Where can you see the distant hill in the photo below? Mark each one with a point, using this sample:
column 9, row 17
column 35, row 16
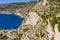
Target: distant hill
column 11, row 7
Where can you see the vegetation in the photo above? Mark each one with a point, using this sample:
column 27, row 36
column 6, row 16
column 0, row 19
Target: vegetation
column 58, row 23
column 53, row 21
column 54, row 0
column 52, row 38
column 58, row 19
column 37, row 35
column 45, row 17
column 25, row 29
column 15, row 39
column 59, row 27
column 4, row 37
column 41, row 33
column 19, row 36
column 1, row 28
column 1, row 35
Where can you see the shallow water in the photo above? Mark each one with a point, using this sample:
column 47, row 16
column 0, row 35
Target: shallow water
column 10, row 21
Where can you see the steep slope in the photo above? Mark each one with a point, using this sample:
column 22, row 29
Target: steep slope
column 39, row 23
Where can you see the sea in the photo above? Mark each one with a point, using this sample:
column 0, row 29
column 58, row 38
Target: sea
column 10, row 21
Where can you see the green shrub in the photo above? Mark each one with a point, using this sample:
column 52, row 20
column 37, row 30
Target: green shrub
column 37, row 35
column 53, row 21
column 52, row 38
column 1, row 28
column 41, row 33
column 59, row 27
column 25, row 29
column 19, row 36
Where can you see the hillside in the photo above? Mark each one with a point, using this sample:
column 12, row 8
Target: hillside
column 41, row 22
column 11, row 7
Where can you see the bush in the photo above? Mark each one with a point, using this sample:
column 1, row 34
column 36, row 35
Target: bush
column 19, row 36
column 53, row 21
column 59, row 27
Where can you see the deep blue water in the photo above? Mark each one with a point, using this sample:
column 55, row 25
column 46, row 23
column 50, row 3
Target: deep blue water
column 10, row 21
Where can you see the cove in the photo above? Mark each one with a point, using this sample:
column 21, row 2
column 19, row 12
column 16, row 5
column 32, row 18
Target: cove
column 10, row 21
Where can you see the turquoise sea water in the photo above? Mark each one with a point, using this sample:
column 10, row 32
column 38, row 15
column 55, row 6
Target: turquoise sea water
column 10, row 21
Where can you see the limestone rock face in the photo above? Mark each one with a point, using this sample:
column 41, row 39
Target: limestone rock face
column 32, row 19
